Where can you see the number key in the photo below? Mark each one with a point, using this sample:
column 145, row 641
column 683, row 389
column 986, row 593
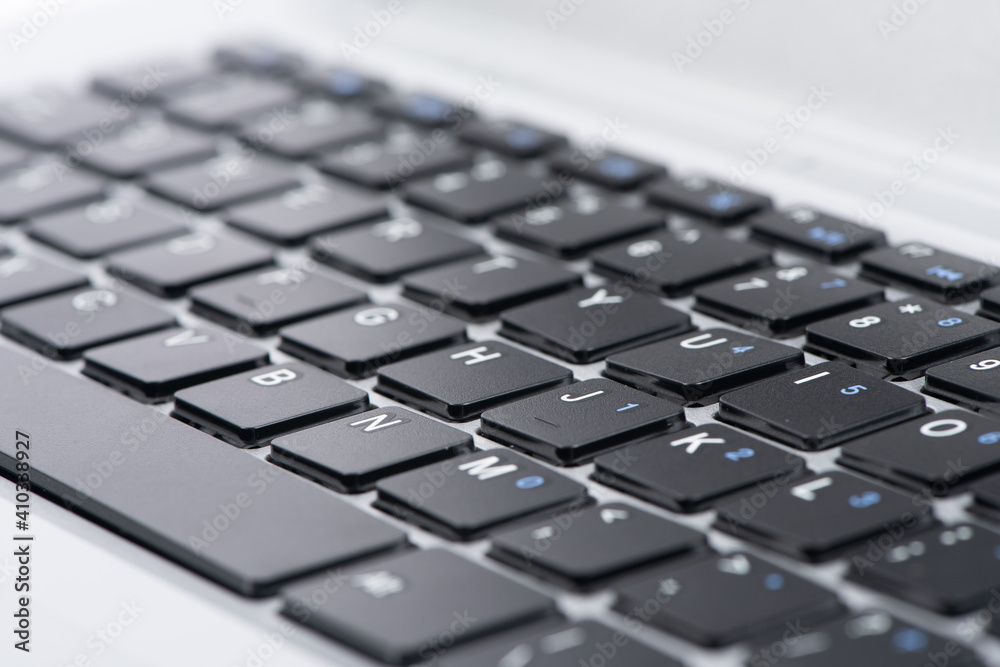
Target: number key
column 971, row 381
column 829, row 239
column 941, row 275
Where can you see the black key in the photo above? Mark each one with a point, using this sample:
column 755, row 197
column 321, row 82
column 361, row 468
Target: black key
column 986, row 496
column 901, row 338
column 573, row 228
column 386, row 251
column 64, row 325
column 350, row 455
column 197, row 501
column 693, row 469
column 941, row 275
column 819, row 406
column 673, row 263
column 612, row 170
column 478, row 289
column 313, row 126
column 990, row 303
column 147, row 145
column 45, row 186
column 594, row 546
column 255, row 406
column 817, row 234
column 939, row 454
column 341, row 83
column 511, row 138
column 569, row 425
column 696, row 368
column 262, row 303
column 156, row 81
column 415, row 606
column 223, row 101
column 11, row 155
column 105, row 226
column 424, row 109
column 151, row 368
column 259, row 58
column 781, row 302
column 822, row 517
column 967, row 381
column 169, row 269
column 466, row 497
column 707, row 198
column 588, row 324
column 23, row 278
column 395, row 160
column 51, row 118
column 223, row 181
column 725, row 599
column 357, row 341
column 461, row 382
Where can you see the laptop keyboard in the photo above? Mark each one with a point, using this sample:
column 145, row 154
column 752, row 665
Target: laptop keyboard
column 534, row 405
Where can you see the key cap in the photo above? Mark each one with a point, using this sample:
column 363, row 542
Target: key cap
column 170, row 487
column 45, row 186
column 151, row 368
column 62, row 326
column 106, row 226
column 461, row 382
column 696, row 468
column 261, row 303
column 416, row 605
column 397, row 159
column 223, row 181
column 820, row 235
column 23, row 278
column 511, row 138
column 567, row 426
column 967, row 381
column 341, row 83
column 672, row 263
column 221, row 102
column 487, row 189
column 156, row 81
column 986, row 498
column 464, row 498
column 255, row 406
column 11, row 155
column 477, row 289
column 594, row 546
column 169, row 269
column 696, row 368
column 49, row 118
column 989, row 305
column 358, row 341
column 588, row 324
column 725, row 599
column 819, row 406
column 386, row 251
column 901, row 338
column 707, row 198
column 822, row 517
column 572, row 229
column 147, row 145
column 424, row 109
column 314, row 126
column 943, row 276
column 938, row 454
column 781, row 302
column 349, row 455
column 610, row 169
column 259, row 58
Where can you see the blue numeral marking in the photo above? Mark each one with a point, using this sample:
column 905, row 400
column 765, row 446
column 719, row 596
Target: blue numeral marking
column 741, row 350
column 950, row 322
column 991, row 438
column 741, row 453
column 941, row 272
column 866, row 499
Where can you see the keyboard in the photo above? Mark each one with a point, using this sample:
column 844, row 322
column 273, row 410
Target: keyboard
column 452, row 389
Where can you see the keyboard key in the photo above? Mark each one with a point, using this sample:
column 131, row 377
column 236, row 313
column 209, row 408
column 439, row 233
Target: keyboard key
column 725, row 599
column 819, row 406
column 341, row 83
column 967, row 381
column 941, row 275
column 822, row 517
column 707, row 198
column 259, row 58
column 349, row 455
column 464, row 498
column 424, row 110
column 147, row 145
column 169, row 269
column 105, row 226
column 461, row 382
column 12, row 155
column 356, row 342
column 672, row 263
column 781, row 302
column 598, row 544
column 151, row 368
column 261, row 303
column 814, row 233
column 694, row 469
column 50, row 118
column 314, row 126
column 222, row 101
column 397, row 159
column 990, row 303
column 612, row 170
column 588, row 324
column 511, row 138
column 43, row 187
column 223, row 181
column 23, row 278
column 386, row 251
column 696, row 368
column 986, row 497
column 902, row 338
column 415, row 606
column 939, row 454
column 156, row 81
column 479, row 289
column 64, row 325
column 567, row 426
column 253, row 407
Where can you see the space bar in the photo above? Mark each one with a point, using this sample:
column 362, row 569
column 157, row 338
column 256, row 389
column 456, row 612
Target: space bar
column 236, row 519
